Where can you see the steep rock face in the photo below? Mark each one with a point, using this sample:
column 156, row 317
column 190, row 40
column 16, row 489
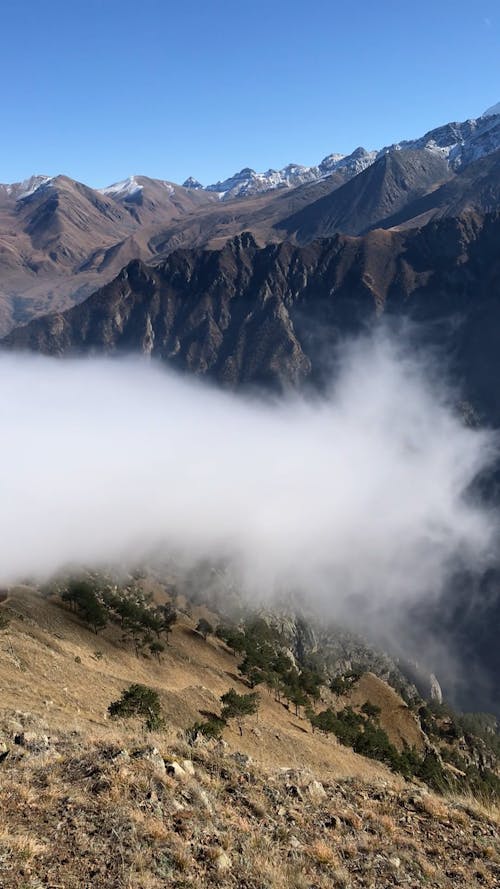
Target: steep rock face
column 247, row 315
column 61, row 240
column 230, row 313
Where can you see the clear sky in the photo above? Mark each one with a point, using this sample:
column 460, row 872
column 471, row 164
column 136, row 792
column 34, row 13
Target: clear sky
column 100, row 89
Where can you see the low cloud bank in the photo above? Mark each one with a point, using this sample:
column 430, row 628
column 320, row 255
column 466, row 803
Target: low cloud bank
column 360, row 494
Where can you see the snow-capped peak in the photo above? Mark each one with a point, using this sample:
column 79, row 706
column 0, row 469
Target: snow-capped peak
column 458, row 143
column 192, row 183
column 21, row 190
column 127, row 188
column 490, row 112
column 248, row 182
column 29, row 186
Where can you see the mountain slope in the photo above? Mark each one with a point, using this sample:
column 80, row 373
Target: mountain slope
column 476, row 187
column 59, row 237
column 60, row 240
column 90, row 801
column 395, row 180
column 245, row 314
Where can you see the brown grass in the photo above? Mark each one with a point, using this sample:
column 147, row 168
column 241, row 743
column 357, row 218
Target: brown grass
column 88, row 813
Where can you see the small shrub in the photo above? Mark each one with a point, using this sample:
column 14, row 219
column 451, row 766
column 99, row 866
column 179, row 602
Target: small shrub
column 211, row 728
column 233, row 638
column 372, row 711
column 238, row 707
column 204, row 628
column 157, row 648
column 138, row 700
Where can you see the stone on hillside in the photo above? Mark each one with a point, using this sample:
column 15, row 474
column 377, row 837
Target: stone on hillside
column 222, row 861
column 32, row 741
column 177, row 806
column 122, row 756
column 241, row 758
column 153, row 755
column 200, row 796
column 176, row 771
column 316, row 791
column 157, row 759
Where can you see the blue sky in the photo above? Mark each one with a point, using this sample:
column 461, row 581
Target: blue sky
column 105, row 88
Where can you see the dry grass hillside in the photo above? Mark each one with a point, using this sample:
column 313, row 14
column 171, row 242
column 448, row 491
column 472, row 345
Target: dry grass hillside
column 396, row 718
column 88, row 801
column 55, row 667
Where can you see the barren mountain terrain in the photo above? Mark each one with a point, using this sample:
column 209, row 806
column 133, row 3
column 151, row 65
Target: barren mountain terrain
column 89, row 801
column 60, row 240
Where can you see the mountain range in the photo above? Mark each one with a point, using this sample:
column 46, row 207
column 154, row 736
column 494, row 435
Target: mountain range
column 251, row 284
column 61, row 240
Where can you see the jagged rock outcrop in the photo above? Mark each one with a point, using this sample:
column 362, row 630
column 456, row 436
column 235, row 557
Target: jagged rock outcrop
column 435, row 689
column 248, row 315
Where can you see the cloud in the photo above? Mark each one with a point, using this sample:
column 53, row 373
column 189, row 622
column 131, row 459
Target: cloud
column 358, row 495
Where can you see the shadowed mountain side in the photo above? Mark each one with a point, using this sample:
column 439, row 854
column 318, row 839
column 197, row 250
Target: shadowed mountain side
column 477, row 188
column 240, row 314
column 61, row 240
column 248, row 315
column 384, row 188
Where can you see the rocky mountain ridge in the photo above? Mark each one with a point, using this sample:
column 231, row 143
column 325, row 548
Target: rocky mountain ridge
column 60, row 240
column 459, row 143
column 246, row 314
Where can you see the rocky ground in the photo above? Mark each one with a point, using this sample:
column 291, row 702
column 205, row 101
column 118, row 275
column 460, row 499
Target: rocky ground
column 146, row 812
column 92, row 803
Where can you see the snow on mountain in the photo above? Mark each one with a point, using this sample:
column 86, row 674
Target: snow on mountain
column 495, row 109
column 460, row 143
column 353, row 163
column 190, row 182
column 136, row 188
column 485, row 140
column 127, row 188
column 21, row 190
column 248, row 182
